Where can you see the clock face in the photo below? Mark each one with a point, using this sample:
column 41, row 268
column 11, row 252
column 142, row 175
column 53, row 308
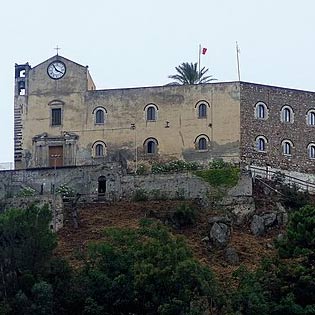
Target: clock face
column 56, row 70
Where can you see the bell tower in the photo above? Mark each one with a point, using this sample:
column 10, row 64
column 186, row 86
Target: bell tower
column 20, row 106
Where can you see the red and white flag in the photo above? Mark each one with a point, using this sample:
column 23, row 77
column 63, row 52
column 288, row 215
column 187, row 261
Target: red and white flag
column 204, row 50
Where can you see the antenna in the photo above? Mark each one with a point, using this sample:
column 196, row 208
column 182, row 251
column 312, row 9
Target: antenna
column 238, row 61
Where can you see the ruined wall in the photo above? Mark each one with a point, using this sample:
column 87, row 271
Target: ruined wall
column 274, row 130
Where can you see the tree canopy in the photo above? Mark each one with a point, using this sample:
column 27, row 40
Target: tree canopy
column 188, row 73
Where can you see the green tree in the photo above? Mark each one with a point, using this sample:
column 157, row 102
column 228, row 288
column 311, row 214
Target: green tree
column 300, row 238
column 26, row 244
column 146, row 271
column 188, row 73
column 286, row 284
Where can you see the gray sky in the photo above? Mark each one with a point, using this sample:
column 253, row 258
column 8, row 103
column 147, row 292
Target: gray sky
column 138, row 43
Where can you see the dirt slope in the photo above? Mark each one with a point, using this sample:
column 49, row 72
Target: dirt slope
column 95, row 217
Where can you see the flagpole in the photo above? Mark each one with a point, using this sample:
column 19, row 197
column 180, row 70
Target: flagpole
column 238, row 62
column 199, row 58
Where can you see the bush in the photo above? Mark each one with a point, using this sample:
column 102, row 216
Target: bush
column 175, row 166
column 219, row 164
column 65, row 191
column 300, row 238
column 294, row 197
column 26, row 192
column 184, row 216
column 143, row 169
column 216, row 177
column 140, row 195
column 145, row 271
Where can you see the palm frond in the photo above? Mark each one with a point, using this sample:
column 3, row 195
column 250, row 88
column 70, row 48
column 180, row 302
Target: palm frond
column 187, row 73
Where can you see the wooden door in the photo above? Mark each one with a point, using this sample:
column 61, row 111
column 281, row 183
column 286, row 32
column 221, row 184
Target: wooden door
column 56, row 156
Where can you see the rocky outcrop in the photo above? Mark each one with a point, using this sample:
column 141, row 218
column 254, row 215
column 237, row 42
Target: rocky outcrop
column 257, row 225
column 261, row 223
column 220, row 234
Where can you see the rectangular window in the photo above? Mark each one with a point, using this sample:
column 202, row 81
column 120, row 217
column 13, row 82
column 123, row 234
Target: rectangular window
column 56, row 117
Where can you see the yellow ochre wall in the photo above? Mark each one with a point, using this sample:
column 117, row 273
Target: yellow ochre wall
column 176, row 128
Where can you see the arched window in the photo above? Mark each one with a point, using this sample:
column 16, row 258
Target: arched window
column 287, row 114
column 202, row 110
column 287, row 147
column 311, row 117
column 99, row 116
column 202, row 144
column 261, row 143
column 261, row 111
column 98, row 149
column 150, row 146
column 151, row 112
column 311, row 151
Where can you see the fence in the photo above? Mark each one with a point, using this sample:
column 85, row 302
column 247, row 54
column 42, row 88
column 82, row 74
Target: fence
column 290, row 180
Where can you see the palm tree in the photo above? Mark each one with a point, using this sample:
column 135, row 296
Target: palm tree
column 189, row 74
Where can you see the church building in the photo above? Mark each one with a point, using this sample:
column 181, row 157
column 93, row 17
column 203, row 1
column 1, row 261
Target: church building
column 61, row 119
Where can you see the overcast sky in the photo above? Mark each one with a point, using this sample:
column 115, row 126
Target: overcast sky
column 138, row 43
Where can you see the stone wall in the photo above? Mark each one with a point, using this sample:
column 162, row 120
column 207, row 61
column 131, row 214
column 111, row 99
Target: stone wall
column 83, row 179
column 119, row 185
column 55, row 204
column 275, row 131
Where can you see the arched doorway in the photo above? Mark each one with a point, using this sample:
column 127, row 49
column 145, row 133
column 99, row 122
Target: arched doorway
column 101, row 186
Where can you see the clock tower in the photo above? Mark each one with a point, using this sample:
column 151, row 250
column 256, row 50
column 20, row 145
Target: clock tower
column 49, row 99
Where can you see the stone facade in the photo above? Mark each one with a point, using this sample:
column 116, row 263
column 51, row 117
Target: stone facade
column 66, row 121
column 297, row 129
column 62, row 120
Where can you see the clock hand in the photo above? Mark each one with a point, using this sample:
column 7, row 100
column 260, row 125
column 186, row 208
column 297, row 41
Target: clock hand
column 57, row 69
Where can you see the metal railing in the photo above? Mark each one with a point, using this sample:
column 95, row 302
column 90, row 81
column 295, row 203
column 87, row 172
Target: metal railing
column 288, row 179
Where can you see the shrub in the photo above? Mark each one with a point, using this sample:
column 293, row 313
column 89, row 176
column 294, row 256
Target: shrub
column 143, row 169
column 220, row 176
column 140, row 195
column 300, row 238
column 219, row 164
column 294, row 197
column 145, row 271
column 65, row 191
column 175, row 166
column 26, row 192
column 158, row 195
column 184, row 216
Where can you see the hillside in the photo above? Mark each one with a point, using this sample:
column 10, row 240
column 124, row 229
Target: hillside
column 94, row 217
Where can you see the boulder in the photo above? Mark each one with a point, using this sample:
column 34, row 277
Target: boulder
column 257, row 225
column 242, row 209
column 220, row 234
column 231, row 256
column 221, row 219
column 270, row 219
